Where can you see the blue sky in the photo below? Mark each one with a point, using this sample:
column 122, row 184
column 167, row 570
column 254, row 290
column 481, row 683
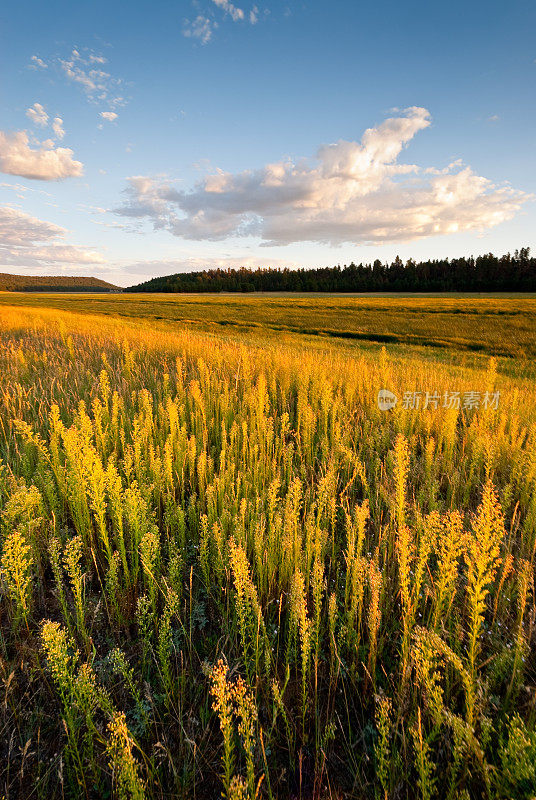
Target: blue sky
column 149, row 138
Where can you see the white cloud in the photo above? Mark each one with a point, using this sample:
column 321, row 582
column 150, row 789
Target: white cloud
column 67, row 254
column 57, row 127
column 84, row 68
column 109, row 116
column 355, row 192
column 19, row 229
column 29, row 242
column 37, row 63
column 98, row 85
column 95, row 59
column 201, row 28
column 235, row 13
column 46, row 163
column 37, row 115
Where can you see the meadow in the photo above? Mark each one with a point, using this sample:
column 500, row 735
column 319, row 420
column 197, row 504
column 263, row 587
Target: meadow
column 225, row 571
column 501, row 325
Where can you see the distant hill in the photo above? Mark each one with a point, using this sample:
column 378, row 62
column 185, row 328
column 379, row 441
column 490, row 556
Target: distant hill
column 485, row 273
column 53, row 283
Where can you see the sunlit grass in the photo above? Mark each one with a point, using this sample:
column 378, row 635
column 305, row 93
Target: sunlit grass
column 501, row 325
column 225, row 569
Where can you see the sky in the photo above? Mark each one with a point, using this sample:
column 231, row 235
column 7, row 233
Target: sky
column 148, row 138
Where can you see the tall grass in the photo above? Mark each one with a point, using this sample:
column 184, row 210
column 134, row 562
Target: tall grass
column 224, row 569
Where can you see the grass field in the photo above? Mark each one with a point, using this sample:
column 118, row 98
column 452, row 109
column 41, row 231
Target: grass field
column 501, row 326
column 225, row 570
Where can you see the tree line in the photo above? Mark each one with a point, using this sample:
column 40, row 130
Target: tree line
column 486, row 273
column 52, row 283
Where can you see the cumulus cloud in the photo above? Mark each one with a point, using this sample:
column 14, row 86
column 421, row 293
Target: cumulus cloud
column 28, row 242
column 37, row 115
column 109, row 116
column 45, row 162
column 355, row 192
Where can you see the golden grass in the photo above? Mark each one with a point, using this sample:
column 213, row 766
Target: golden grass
column 467, row 325
column 225, row 568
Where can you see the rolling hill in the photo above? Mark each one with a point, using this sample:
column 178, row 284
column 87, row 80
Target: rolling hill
column 53, row 283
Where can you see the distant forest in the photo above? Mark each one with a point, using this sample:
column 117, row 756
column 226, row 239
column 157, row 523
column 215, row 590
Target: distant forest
column 487, row 273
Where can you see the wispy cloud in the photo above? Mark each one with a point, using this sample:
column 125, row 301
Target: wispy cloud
column 98, row 84
column 200, row 28
column 203, row 26
column 37, row 115
column 44, row 162
column 57, row 127
column 109, row 116
column 28, row 242
column 21, row 191
column 354, row 192
column 86, row 69
column 235, row 13
column 37, row 63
